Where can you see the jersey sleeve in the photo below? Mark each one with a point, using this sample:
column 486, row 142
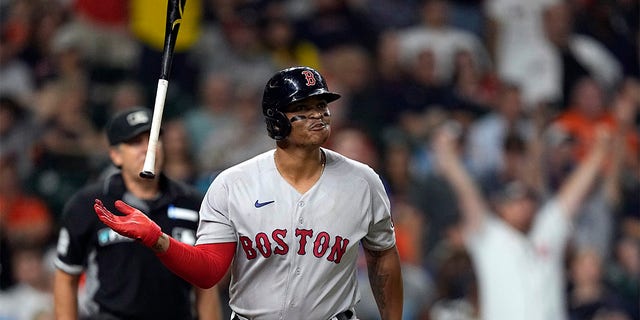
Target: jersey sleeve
column 381, row 234
column 215, row 224
column 74, row 236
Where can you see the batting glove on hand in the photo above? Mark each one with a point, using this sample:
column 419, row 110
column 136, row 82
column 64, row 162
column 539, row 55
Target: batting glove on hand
column 134, row 224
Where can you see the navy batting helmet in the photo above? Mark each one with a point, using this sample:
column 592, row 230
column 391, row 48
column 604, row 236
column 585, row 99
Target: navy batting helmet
column 286, row 87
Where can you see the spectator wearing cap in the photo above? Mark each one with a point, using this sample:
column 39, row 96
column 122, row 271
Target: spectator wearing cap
column 123, row 279
column 518, row 253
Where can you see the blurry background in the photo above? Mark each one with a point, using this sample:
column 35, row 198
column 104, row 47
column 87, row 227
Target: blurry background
column 518, row 78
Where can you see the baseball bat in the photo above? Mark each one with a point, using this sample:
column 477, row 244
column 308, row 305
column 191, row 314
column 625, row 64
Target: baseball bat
column 175, row 8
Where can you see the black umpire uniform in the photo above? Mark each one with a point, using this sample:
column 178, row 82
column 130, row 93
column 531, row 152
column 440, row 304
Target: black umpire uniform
column 122, row 277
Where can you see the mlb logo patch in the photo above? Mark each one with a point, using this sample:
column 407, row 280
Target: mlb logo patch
column 137, row 118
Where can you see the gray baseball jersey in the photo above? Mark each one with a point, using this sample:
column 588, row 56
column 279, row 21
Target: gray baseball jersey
column 296, row 254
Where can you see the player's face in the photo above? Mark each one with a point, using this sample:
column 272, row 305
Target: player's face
column 310, row 121
column 130, row 155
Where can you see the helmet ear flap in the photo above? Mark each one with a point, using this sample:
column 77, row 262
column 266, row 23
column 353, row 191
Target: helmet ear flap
column 278, row 125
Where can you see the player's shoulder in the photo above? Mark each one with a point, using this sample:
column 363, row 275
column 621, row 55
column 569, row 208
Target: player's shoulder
column 338, row 159
column 348, row 167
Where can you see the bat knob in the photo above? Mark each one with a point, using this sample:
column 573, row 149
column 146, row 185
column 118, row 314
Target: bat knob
column 147, row 175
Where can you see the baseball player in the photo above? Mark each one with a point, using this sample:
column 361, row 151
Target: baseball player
column 288, row 222
column 124, row 280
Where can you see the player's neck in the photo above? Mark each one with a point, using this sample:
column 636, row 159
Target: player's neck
column 300, row 168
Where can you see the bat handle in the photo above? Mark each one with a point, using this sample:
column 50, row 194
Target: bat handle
column 148, row 170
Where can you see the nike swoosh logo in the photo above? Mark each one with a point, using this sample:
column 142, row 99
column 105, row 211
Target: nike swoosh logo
column 262, row 204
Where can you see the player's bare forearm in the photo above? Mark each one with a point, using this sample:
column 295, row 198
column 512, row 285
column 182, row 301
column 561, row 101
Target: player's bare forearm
column 385, row 277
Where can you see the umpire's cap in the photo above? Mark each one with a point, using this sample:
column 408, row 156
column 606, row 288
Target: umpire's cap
column 127, row 124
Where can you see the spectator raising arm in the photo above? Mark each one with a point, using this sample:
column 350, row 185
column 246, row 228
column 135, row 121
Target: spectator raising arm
column 472, row 204
column 578, row 184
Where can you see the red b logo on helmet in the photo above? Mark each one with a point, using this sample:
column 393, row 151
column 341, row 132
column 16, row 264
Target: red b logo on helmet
column 311, row 80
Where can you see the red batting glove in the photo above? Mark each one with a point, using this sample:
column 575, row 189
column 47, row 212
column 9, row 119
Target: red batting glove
column 134, row 224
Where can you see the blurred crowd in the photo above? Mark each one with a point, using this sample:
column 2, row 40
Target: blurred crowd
column 524, row 84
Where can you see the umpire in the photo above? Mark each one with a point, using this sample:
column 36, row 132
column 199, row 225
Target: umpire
column 122, row 278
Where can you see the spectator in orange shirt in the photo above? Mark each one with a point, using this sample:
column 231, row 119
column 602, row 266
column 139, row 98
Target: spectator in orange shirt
column 588, row 109
column 24, row 219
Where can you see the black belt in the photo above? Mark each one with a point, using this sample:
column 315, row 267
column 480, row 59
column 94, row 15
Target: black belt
column 102, row 316
column 344, row 315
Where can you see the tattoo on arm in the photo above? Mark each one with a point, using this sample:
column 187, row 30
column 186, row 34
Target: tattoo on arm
column 161, row 245
column 377, row 279
column 156, row 247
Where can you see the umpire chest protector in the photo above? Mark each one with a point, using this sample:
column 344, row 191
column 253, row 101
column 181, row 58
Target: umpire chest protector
column 286, row 87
